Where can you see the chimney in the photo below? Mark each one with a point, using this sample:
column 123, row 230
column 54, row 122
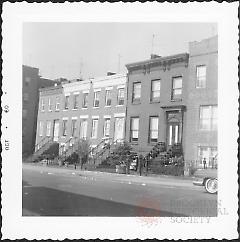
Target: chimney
column 109, row 73
column 154, row 56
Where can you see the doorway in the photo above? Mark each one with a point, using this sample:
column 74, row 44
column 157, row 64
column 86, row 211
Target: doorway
column 56, row 130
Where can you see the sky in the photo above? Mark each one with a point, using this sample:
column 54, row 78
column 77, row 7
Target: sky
column 83, row 50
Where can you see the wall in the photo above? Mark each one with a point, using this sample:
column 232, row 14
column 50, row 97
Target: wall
column 203, row 52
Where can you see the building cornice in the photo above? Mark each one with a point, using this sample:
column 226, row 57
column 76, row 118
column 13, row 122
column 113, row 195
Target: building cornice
column 164, row 62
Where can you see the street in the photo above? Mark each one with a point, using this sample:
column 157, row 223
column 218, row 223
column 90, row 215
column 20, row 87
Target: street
column 51, row 191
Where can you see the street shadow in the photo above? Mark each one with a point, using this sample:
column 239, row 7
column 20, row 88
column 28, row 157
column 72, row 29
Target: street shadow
column 45, row 201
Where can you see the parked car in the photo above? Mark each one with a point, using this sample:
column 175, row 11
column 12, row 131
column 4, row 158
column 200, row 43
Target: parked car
column 208, row 179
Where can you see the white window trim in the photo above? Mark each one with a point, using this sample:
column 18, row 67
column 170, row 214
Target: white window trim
column 76, row 93
column 74, row 117
column 119, row 115
column 83, row 116
column 97, row 90
column 108, row 88
column 107, row 116
column 95, row 117
column 85, row 91
column 65, row 118
column 121, row 86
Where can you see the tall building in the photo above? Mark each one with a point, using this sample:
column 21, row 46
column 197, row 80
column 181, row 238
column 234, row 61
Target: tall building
column 202, row 101
column 92, row 109
column 156, row 103
column 31, row 82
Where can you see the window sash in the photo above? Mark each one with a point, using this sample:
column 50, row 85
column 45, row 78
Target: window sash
column 40, row 128
column 121, row 96
column 94, row 128
column 177, row 87
column 48, row 128
column 201, row 72
column 42, row 105
column 106, row 130
column 83, row 129
column 50, row 104
column 75, row 101
column 134, row 129
column 153, row 129
column 155, row 90
column 74, row 127
column 96, row 99
column 66, row 104
column 57, row 106
column 64, row 128
column 108, row 99
column 85, row 100
column 137, row 91
column 208, row 117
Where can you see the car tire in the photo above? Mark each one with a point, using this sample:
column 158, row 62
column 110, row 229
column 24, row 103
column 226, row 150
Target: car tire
column 211, row 185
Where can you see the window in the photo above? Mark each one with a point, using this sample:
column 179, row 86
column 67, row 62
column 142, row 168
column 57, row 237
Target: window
column 136, row 92
column 49, row 104
column 134, row 129
column 64, row 128
column 106, row 128
column 208, row 117
column 27, row 81
column 94, row 128
column 48, row 133
column 120, row 98
column 24, row 113
column 201, row 76
column 155, row 90
column 208, row 152
column 176, row 88
column 57, row 106
column 74, row 127
column 25, row 97
column 83, row 129
column 66, row 104
column 42, row 105
column 108, row 98
column 153, row 129
column 119, row 129
column 75, row 101
column 40, row 128
column 85, row 100
column 96, row 99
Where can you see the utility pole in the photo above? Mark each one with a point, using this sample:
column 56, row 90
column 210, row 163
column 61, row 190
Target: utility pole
column 119, row 57
column 152, row 43
column 80, row 71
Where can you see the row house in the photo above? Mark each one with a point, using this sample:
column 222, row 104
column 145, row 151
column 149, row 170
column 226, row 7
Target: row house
column 171, row 99
column 157, row 101
column 31, row 82
column 92, row 109
column 202, row 101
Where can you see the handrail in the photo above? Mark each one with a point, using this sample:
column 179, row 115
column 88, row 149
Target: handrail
column 48, row 138
column 68, row 142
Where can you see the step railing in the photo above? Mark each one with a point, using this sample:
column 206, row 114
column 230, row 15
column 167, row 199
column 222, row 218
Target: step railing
column 68, row 148
column 42, row 143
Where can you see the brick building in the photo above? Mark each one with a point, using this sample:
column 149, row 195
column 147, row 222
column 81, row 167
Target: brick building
column 157, row 92
column 170, row 99
column 93, row 109
column 202, row 100
column 31, row 82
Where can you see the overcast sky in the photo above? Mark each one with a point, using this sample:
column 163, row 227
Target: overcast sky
column 91, row 49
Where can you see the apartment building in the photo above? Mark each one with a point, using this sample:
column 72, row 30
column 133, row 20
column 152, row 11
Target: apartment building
column 92, row 109
column 156, row 106
column 31, row 82
column 202, row 101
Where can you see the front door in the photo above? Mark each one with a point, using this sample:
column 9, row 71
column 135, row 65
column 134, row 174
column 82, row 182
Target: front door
column 56, row 130
column 119, row 129
column 173, row 133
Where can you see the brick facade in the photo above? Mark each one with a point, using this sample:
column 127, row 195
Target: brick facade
column 113, row 110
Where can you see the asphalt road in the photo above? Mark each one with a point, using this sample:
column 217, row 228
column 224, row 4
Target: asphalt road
column 60, row 192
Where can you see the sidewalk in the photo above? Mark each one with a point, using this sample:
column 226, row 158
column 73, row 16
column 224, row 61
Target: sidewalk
column 127, row 178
